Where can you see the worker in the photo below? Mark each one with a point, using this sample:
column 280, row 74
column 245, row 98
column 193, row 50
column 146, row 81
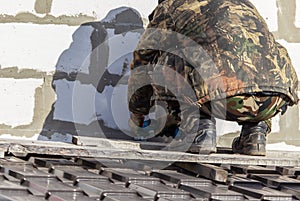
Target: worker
column 210, row 59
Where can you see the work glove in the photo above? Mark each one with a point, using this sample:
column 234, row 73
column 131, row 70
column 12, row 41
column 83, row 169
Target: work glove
column 142, row 127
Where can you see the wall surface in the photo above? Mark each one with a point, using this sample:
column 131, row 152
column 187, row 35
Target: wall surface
column 64, row 66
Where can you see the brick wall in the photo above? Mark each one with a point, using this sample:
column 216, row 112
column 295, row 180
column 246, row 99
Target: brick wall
column 44, row 41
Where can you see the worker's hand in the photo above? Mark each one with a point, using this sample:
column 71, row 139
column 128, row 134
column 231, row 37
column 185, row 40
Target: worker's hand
column 136, row 120
column 141, row 128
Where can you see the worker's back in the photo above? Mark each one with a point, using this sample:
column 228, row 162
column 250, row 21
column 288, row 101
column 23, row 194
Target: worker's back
column 244, row 54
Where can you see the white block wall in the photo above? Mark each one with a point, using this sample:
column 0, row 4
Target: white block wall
column 33, row 44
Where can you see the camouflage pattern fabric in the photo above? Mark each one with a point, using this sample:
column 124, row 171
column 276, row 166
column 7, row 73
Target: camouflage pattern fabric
column 238, row 56
column 240, row 108
column 253, row 108
column 247, row 108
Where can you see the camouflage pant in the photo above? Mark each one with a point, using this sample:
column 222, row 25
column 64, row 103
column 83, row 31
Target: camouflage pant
column 241, row 108
column 247, row 108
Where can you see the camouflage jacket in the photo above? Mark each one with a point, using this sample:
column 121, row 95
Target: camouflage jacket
column 203, row 50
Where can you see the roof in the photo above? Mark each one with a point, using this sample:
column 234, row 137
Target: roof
column 34, row 170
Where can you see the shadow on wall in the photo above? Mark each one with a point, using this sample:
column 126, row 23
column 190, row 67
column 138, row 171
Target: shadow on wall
column 91, row 77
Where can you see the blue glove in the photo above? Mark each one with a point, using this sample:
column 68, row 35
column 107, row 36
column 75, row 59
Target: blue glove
column 142, row 127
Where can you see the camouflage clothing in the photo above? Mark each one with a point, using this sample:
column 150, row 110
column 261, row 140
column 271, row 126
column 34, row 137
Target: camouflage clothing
column 252, row 108
column 218, row 48
column 247, row 108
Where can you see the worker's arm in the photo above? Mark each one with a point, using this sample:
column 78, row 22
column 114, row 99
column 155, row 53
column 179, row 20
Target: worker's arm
column 152, row 43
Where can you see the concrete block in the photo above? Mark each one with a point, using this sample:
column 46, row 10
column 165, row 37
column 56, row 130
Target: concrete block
column 82, row 104
column 74, row 7
column 8, row 7
column 17, row 100
column 33, row 46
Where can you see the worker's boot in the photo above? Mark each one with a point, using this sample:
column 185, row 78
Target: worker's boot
column 252, row 140
column 199, row 136
column 205, row 138
column 196, row 133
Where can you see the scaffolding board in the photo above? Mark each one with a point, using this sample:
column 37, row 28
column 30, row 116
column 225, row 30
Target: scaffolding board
column 132, row 150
